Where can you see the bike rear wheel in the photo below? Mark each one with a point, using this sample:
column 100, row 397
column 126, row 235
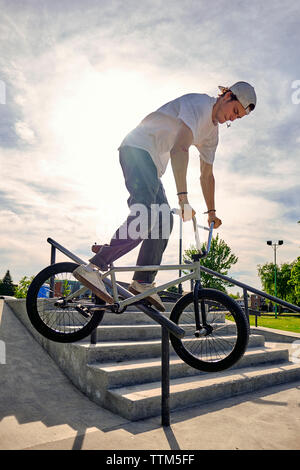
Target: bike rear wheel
column 221, row 342
column 51, row 315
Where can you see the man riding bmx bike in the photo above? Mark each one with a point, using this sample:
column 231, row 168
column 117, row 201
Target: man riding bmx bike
column 166, row 134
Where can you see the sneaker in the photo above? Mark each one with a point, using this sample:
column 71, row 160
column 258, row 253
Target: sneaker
column 154, row 299
column 93, row 281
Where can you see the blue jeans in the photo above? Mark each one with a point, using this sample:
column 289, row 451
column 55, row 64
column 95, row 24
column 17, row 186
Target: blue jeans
column 153, row 229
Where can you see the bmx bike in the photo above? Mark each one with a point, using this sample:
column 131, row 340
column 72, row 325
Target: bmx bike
column 208, row 329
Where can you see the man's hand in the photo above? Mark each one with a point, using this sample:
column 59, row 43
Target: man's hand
column 213, row 218
column 187, row 212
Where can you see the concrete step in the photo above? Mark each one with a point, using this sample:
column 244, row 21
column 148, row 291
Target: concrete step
column 168, row 306
column 136, row 317
column 144, row 400
column 132, row 318
column 125, row 350
column 149, row 370
column 142, row 332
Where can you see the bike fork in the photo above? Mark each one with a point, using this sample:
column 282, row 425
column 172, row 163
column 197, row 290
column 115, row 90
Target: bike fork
column 196, row 306
column 202, row 329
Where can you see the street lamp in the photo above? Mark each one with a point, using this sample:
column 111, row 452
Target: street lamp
column 274, row 244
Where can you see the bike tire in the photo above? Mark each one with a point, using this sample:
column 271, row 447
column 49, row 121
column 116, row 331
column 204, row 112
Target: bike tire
column 40, row 310
column 226, row 343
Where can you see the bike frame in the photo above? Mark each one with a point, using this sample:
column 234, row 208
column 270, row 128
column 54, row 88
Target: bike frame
column 194, row 267
column 136, row 298
column 120, row 305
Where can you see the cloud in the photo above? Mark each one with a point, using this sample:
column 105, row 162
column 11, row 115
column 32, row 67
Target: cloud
column 79, row 77
column 287, row 197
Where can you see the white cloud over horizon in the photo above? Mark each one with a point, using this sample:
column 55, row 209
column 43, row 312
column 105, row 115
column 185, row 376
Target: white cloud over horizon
column 80, row 76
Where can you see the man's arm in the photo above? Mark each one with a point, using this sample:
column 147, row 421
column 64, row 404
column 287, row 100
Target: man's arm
column 180, row 156
column 207, row 181
column 179, row 161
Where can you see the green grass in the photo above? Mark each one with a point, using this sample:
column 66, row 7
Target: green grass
column 282, row 322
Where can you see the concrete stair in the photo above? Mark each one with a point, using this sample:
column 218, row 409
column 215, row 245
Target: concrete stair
column 141, row 401
column 122, row 371
column 124, row 350
column 128, row 373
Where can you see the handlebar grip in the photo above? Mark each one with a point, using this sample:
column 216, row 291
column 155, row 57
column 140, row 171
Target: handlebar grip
column 176, row 211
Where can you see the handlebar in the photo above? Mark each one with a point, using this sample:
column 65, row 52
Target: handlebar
column 196, row 232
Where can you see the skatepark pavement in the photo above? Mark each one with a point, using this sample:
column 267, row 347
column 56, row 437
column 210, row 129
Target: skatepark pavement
column 41, row 409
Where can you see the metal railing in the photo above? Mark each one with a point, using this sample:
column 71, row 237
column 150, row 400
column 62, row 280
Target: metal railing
column 165, row 352
column 247, row 288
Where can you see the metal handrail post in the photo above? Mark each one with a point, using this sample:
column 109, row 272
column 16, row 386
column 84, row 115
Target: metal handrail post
column 246, row 304
column 165, row 377
column 52, row 261
column 93, row 336
column 53, row 254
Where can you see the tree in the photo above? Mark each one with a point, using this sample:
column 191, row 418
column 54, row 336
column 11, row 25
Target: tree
column 173, row 289
column 235, row 296
column 66, row 288
column 22, row 287
column 219, row 259
column 285, row 289
column 6, row 285
column 266, row 274
column 294, row 282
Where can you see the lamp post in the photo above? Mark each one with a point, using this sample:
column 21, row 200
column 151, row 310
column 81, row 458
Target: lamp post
column 274, row 244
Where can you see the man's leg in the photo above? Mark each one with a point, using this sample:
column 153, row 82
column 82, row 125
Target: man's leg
column 143, row 185
column 152, row 249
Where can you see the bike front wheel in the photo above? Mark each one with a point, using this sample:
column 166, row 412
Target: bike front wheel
column 223, row 336
column 60, row 320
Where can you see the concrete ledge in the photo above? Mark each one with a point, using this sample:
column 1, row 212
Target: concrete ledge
column 73, row 365
column 271, row 334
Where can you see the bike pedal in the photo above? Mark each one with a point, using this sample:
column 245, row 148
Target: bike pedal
column 83, row 311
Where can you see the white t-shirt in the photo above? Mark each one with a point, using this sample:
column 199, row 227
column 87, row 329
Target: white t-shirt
column 157, row 132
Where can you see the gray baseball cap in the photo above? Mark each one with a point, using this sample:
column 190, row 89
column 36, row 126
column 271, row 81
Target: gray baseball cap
column 245, row 93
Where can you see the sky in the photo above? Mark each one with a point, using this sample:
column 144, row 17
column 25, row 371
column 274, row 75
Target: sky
column 76, row 77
